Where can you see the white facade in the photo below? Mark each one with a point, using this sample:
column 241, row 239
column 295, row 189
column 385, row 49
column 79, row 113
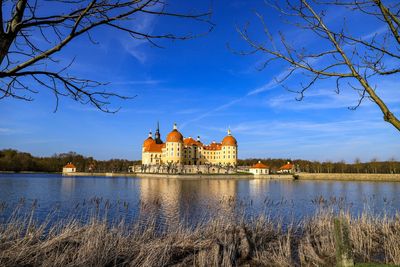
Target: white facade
column 259, row 168
column 69, row 168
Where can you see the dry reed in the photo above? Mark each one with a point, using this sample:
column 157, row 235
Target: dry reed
column 259, row 241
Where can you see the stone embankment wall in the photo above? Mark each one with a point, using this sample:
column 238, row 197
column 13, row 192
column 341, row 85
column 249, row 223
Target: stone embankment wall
column 299, row 176
column 184, row 176
column 100, row 174
column 193, row 176
column 350, row 176
column 213, row 176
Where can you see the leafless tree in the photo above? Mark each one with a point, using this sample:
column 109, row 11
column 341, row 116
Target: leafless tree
column 341, row 54
column 208, row 166
column 36, row 31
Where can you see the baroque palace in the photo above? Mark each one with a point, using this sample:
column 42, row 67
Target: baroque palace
column 188, row 151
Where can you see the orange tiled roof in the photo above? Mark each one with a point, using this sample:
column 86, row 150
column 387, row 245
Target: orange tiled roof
column 148, row 141
column 259, row 165
column 190, row 142
column 69, row 165
column 157, row 148
column 213, row 146
column 287, row 166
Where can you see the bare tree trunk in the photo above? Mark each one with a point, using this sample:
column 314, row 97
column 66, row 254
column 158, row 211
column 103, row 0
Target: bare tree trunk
column 7, row 37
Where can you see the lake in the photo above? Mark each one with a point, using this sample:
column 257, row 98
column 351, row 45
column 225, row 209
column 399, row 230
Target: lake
column 191, row 201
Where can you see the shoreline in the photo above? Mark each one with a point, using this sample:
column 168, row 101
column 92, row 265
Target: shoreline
column 380, row 177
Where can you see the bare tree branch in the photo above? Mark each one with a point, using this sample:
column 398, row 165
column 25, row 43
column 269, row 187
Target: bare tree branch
column 23, row 61
column 344, row 56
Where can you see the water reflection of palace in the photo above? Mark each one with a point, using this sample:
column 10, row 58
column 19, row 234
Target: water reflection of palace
column 161, row 195
column 173, row 199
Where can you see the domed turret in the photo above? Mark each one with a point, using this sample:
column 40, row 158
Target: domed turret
column 149, row 141
column 175, row 135
column 229, row 140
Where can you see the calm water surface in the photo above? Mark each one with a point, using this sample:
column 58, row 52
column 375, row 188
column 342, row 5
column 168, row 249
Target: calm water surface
column 173, row 201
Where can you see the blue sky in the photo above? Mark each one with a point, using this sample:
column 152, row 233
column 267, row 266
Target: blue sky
column 205, row 88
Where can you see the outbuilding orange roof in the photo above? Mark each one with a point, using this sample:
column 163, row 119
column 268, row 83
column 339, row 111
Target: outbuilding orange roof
column 69, row 165
column 287, row 166
column 259, row 165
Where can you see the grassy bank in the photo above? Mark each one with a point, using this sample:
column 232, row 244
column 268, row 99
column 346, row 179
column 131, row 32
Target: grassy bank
column 219, row 242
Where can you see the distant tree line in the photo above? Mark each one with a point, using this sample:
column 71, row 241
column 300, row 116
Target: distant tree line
column 13, row 160
column 373, row 166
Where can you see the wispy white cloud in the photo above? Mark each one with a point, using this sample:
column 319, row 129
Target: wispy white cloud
column 188, row 111
column 271, row 128
column 144, row 23
column 141, row 82
column 211, row 112
column 374, row 33
column 269, row 85
column 325, row 98
column 326, row 140
column 5, row 130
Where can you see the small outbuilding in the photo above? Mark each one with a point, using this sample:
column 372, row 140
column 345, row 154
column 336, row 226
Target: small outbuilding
column 69, row 168
column 259, row 168
column 287, row 168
